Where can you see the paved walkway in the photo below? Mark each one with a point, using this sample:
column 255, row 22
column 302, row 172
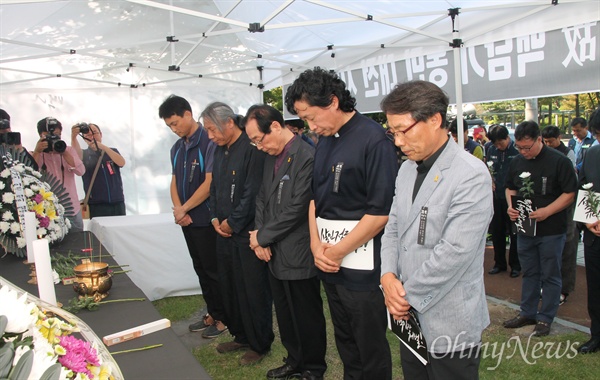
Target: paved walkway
column 502, row 287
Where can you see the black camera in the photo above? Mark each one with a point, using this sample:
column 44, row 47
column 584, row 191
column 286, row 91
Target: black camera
column 84, row 128
column 10, row 138
column 54, row 142
column 4, row 124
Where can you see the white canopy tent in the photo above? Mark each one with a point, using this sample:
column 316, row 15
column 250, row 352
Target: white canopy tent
column 113, row 62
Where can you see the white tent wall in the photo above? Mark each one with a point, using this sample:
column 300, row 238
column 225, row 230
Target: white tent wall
column 129, row 121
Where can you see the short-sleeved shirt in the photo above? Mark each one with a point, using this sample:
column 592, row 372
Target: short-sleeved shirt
column 367, row 165
column 552, row 174
column 190, row 161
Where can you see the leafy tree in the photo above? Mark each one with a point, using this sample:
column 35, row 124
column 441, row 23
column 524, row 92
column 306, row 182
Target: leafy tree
column 274, row 98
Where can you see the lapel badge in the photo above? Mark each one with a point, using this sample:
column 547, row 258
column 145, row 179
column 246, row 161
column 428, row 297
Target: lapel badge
column 435, row 179
column 289, row 159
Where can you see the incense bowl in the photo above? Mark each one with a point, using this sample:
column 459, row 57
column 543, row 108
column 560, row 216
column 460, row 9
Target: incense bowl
column 92, row 280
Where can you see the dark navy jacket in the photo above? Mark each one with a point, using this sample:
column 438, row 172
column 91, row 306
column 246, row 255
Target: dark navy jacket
column 190, row 163
column 108, row 185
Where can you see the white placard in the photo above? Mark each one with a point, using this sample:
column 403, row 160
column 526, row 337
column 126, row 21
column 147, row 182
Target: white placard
column 332, row 231
column 30, row 234
column 582, row 212
column 43, row 270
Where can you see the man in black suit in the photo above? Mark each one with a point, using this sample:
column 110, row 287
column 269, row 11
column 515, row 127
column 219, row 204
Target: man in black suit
column 590, row 173
column 282, row 239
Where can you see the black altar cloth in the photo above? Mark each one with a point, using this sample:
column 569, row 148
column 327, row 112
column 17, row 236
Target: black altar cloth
column 172, row 361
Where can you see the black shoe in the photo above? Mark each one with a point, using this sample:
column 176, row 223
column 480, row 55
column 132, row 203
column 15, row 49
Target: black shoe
column 283, row 372
column 515, row 273
column 307, row 375
column 519, row 322
column 563, row 298
column 496, row 270
column 590, row 346
column 201, row 325
column 542, row 328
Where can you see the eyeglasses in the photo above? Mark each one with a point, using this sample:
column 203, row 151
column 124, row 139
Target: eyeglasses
column 392, row 135
column 524, row 148
column 259, row 142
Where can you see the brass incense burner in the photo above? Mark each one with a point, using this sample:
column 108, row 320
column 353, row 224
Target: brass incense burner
column 92, row 280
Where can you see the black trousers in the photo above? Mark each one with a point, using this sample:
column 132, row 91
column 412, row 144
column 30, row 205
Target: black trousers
column 107, row 209
column 360, row 324
column 591, row 250
column 202, row 245
column 299, row 310
column 500, row 227
column 246, row 294
column 454, row 366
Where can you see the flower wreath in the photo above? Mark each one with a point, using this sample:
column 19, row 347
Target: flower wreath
column 37, row 341
column 24, row 189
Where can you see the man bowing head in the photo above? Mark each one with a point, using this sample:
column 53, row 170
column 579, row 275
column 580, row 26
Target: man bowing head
column 433, row 245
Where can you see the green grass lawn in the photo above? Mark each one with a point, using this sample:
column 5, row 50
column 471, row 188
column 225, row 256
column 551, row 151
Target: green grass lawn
column 507, row 355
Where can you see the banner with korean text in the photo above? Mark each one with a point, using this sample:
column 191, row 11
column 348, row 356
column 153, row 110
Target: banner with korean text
column 552, row 63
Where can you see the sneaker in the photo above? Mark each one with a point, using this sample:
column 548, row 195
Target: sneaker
column 214, row 330
column 202, row 324
column 542, row 329
column 519, row 321
column 563, row 298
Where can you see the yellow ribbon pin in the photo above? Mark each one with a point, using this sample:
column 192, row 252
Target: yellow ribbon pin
column 435, row 179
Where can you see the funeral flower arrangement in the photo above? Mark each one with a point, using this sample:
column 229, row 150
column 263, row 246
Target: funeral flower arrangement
column 24, row 189
column 35, row 344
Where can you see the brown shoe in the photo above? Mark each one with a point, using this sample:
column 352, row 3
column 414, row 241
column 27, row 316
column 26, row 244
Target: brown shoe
column 230, row 347
column 542, row 329
column 251, row 357
column 519, row 321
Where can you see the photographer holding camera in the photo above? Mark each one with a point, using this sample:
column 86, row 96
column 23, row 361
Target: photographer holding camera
column 8, row 138
column 54, row 156
column 106, row 196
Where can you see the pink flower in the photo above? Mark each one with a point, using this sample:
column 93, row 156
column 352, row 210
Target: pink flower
column 79, row 354
column 37, row 198
column 44, row 221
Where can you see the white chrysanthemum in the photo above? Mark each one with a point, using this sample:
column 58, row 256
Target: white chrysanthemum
column 41, row 231
column 587, row 186
column 4, row 226
column 68, row 223
column 5, row 173
column 21, row 242
column 15, row 228
column 29, row 193
column 525, row 175
column 20, row 168
column 7, row 215
column 2, row 186
column 17, row 310
column 37, row 174
column 35, row 188
column 8, row 198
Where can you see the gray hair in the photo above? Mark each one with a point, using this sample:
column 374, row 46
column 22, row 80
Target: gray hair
column 219, row 114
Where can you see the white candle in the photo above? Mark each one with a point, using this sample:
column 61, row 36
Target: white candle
column 43, row 270
column 30, row 234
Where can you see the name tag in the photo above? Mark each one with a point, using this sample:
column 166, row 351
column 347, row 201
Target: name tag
column 422, row 226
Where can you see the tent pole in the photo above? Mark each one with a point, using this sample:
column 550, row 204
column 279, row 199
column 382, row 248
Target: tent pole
column 456, row 45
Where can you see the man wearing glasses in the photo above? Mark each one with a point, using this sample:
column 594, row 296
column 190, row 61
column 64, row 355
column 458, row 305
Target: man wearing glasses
column 432, row 248
column 554, row 185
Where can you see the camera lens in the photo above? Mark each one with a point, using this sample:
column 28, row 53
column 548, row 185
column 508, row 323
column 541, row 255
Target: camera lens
column 84, row 128
column 59, row 146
